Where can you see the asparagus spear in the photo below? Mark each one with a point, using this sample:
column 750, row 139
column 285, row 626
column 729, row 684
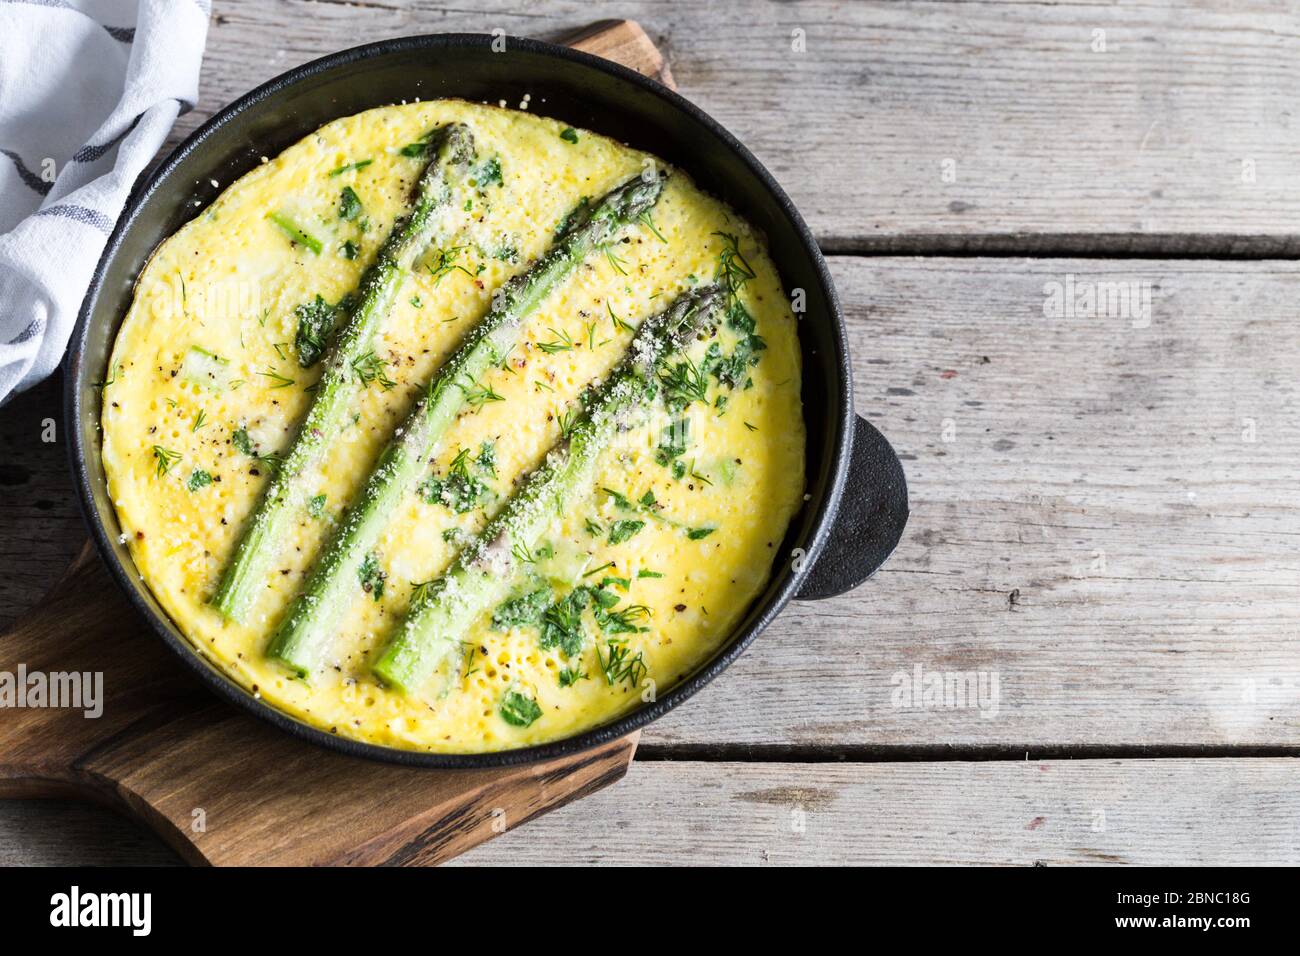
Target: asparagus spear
column 481, row 574
column 303, row 635
column 451, row 147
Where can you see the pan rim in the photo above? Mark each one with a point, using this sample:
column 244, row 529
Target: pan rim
column 841, row 420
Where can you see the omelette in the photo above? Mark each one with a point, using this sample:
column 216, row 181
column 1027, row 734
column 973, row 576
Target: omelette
column 636, row 582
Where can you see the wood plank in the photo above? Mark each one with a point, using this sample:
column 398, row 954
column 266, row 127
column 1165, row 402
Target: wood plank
column 932, row 126
column 1098, row 533
column 1146, row 812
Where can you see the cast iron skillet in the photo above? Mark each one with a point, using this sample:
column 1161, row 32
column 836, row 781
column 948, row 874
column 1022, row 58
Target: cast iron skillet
column 857, row 504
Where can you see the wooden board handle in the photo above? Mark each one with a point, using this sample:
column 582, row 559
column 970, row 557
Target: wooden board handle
column 219, row 785
column 623, row 41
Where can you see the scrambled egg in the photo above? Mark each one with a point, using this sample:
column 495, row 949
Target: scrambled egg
column 675, row 539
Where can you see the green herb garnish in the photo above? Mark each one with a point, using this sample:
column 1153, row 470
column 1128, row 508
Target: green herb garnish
column 571, row 675
column 562, row 623
column 349, row 204
column 294, row 232
column 460, row 491
column 562, row 343
column 281, row 381
column 446, row 261
column 621, row 664
column 487, row 459
column 369, row 367
column 624, row 529
column 518, row 710
column 523, row 610
column 315, row 325
column 489, row 173
column 479, row 395
column 165, row 458
column 360, row 164
column 683, row 383
column 372, row 577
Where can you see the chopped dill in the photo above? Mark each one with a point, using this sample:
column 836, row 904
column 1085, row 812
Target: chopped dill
column 684, row 383
column 563, row 343
column 614, row 259
column 371, row 368
column 479, row 395
column 165, row 458
column 621, row 665
column 649, row 223
column 281, row 381
column 619, row 324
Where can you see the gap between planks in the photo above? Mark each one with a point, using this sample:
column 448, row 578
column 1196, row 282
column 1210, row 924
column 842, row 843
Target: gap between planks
column 945, row 753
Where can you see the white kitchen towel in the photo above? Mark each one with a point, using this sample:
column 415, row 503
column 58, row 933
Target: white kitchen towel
column 89, row 90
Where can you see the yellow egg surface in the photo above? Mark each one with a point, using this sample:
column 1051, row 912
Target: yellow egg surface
column 676, row 537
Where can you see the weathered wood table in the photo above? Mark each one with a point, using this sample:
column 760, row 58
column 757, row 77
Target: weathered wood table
column 1064, row 235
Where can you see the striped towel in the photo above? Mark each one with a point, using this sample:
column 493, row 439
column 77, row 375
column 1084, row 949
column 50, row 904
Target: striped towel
column 89, row 90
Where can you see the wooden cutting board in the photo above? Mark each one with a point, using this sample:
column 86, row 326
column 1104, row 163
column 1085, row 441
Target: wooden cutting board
column 224, row 788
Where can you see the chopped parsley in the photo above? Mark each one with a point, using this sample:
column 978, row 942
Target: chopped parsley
column 569, row 134
column 673, row 442
column 315, row 324
column 243, row 442
column 198, row 479
column 562, row 623
column 623, row 621
column 522, row 611
column 487, row 459
column 349, row 204
column 460, row 491
column 624, row 529
column 316, row 507
column 571, row 675
column 489, row 174
column 372, row 577
column 518, row 710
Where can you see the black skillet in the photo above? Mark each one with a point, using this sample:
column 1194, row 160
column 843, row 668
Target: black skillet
column 857, row 495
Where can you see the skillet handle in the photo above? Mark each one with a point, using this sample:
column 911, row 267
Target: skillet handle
column 870, row 522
